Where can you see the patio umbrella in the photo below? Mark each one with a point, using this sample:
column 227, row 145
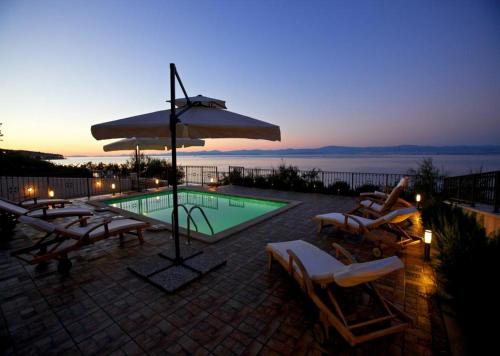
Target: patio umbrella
column 199, row 117
column 148, row 143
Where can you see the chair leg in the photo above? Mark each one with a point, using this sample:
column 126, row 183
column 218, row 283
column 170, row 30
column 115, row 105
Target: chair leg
column 139, row 235
column 269, row 260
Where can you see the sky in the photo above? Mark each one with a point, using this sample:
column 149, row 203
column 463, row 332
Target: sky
column 358, row 73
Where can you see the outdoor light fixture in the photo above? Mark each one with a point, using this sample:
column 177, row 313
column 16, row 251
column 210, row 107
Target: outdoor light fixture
column 212, row 180
column 51, row 193
column 418, row 199
column 113, row 187
column 427, row 244
column 157, row 181
column 98, row 184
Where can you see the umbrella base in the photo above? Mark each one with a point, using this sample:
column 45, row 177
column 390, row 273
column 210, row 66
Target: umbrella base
column 163, row 272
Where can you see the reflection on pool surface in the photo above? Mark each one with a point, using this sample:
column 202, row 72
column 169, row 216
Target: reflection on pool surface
column 223, row 211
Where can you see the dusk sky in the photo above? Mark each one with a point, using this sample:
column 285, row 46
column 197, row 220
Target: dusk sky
column 358, row 73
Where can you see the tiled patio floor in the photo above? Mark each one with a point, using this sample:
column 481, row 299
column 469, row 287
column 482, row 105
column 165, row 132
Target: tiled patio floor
column 240, row 308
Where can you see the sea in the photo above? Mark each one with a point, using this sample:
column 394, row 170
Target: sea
column 447, row 164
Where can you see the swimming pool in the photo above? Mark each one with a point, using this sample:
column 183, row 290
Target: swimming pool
column 224, row 212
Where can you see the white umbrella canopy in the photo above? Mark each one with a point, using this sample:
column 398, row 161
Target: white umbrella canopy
column 197, row 122
column 201, row 100
column 150, row 143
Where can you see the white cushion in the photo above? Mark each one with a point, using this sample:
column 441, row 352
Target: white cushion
column 11, row 208
column 357, row 273
column 318, row 264
column 60, row 212
column 322, row 266
column 370, row 204
column 339, row 218
column 28, row 203
column 113, row 226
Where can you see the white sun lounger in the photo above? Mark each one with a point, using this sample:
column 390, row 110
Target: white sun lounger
column 378, row 203
column 37, row 202
column 364, row 226
column 61, row 240
column 44, row 212
column 317, row 272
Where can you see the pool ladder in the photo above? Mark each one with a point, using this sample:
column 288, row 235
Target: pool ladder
column 190, row 219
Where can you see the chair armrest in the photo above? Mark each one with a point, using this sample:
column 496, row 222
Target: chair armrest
column 82, row 221
column 35, row 199
column 340, row 250
column 292, row 258
column 362, row 228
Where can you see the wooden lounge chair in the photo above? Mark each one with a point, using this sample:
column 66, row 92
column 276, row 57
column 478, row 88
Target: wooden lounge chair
column 41, row 202
column 10, row 211
column 326, row 280
column 365, row 227
column 59, row 241
column 378, row 203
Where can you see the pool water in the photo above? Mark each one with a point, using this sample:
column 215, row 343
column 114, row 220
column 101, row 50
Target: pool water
column 223, row 211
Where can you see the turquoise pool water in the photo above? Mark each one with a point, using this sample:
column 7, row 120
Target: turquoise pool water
column 223, row 211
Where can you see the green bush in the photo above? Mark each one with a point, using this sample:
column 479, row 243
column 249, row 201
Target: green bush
column 367, row 188
column 469, row 260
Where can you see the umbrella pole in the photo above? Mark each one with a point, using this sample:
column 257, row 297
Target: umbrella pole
column 138, row 167
column 173, row 134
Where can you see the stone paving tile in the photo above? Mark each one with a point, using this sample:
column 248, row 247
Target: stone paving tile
column 239, row 308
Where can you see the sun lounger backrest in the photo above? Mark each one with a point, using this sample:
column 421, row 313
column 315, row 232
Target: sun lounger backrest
column 392, row 198
column 12, row 208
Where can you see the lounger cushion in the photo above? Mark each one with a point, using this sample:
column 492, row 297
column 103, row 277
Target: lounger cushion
column 60, row 212
column 358, row 273
column 325, row 268
column 28, row 203
column 338, row 219
column 113, row 226
column 11, row 208
column 370, row 204
column 319, row 264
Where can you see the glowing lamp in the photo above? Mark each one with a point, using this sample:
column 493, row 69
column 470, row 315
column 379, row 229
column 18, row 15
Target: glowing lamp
column 51, row 193
column 157, row 181
column 30, row 190
column 212, row 180
column 418, row 198
column 113, row 186
column 98, row 183
column 428, row 236
column 427, row 244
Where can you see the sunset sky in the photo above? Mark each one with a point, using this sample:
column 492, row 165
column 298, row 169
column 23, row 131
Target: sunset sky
column 356, row 73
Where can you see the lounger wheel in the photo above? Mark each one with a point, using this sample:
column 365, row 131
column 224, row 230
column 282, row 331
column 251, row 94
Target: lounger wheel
column 64, row 265
column 319, row 333
column 377, row 252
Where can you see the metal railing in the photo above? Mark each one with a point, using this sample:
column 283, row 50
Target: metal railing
column 482, row 188
column 351, row 180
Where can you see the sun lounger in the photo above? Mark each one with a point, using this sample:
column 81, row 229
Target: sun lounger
column 365, row 227
column 378, row 203
column 59, row 240
column 325, row 279
column 37, row 202
column 12, row 211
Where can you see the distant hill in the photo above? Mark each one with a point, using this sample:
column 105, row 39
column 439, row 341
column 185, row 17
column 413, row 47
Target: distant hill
column 37, row 155
column 332, row 150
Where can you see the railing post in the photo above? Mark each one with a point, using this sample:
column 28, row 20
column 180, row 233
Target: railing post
column 459, row 192
column 88, row 188
column 216, row 175
column 496, row 197
column 352, row 181
column 473, row 193
column 202, row 182
column 187, row 176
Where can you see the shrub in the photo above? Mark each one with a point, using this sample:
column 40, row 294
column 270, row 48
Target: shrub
column 426, row 179
column 469, row 261
column 339, row 188
column 161, row 168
